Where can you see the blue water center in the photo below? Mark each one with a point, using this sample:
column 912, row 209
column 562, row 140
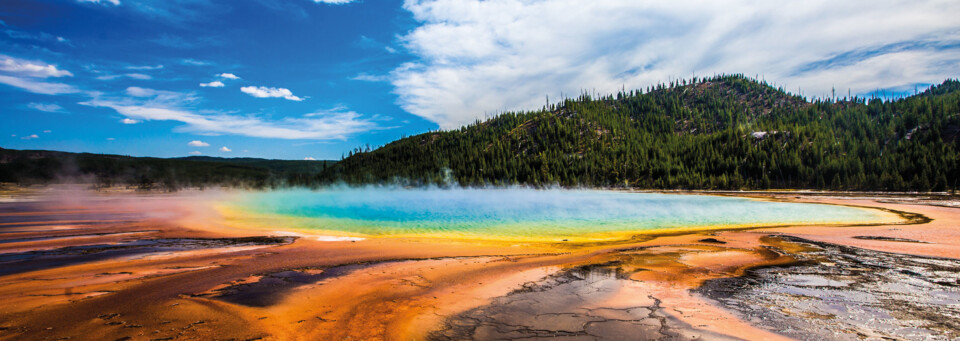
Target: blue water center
column 521, row 213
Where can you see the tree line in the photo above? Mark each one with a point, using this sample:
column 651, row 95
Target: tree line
column 725, row 132
column 29, row 167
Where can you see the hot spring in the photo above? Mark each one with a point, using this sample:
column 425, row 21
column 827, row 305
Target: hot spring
column 519, row 214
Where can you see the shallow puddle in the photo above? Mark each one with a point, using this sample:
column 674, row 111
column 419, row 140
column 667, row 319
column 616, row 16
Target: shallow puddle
column 270, row 288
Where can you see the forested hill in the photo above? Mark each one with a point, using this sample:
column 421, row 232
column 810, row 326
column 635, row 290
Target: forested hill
column 27, row 167
column 725, row 132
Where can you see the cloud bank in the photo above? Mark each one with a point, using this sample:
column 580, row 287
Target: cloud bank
column 27, row 75
column 142, row 104
column 477, row 57
column 31, row 68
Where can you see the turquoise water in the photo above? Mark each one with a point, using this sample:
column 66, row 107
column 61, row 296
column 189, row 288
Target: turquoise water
column 521, row 213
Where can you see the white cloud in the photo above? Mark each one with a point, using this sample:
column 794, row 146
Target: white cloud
column 129, row 121
column 145, row 67
column 265, row 92
column 139, row 76
column 225, row 149
column 30, row 137
column 371, row 78
column 45, row 107
column 214, row 84
column 309, row 159
column 334, row 2
column 28, row 68
column 219, row 84
column 111, row 139
column 198, row 143
column 477, row 57
column 137, row 91
column 38, row 87
column 194, row 62
column 47, row 131
column 24, row 74
column 161, row 96
column 157, row 105
column 113, row 2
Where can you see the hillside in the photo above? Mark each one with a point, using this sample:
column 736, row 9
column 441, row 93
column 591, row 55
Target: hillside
column 27, row 167
column 276, row 166
column 725, row 132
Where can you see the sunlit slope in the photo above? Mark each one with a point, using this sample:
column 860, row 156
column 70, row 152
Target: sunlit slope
column 727, row 132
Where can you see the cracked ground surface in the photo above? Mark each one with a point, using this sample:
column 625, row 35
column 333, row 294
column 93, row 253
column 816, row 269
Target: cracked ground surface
column 572, row 305
column 847, row 293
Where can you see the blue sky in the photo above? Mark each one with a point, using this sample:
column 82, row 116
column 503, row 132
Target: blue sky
column 295, row 79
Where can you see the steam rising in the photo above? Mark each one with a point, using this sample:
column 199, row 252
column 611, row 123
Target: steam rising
column 521, row 213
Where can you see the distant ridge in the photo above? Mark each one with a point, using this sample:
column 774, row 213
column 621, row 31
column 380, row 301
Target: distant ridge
column 27, row 167
column 726, row 132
